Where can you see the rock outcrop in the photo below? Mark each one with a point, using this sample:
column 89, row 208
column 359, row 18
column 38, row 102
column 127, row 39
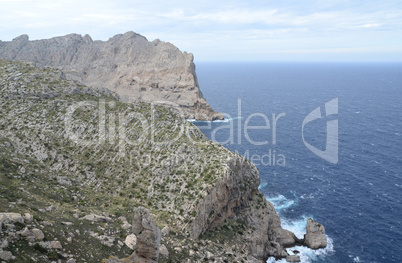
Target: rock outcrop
column 148, row 236
column 128, row 64
column 314, row 237
column 145, row 240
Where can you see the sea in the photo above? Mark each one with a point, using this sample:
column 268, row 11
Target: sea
column 327, row 140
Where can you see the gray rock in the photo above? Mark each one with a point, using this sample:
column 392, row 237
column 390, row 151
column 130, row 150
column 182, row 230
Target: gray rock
column 128, row 64
column 38, row 234
column 131, row 241
column 6, row 255
column 11, row 217
column 55, row 244
column 209, row 255
column 148, row 235
column 163, row 251
column 4, row 244
column 314, row 237
column 28, row 217
column 51, row 244
column 97, row 218
column 293, row 258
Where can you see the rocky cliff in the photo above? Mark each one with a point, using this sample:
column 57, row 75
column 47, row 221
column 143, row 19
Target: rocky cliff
column 86, row 177
column 129, row 64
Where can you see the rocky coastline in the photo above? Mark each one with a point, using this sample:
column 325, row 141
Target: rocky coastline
column 193, row 201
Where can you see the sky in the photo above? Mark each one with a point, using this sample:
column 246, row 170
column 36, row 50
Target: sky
column 221, row 30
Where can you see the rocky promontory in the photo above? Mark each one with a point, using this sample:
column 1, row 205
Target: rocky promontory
column 86, row 177
column 128, row 64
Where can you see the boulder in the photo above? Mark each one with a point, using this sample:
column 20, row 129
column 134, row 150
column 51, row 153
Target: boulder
column 148, row 236
column 28, row 217
column 55, row 244
column 38, row 234
column 6, row 255
column 163, row 251
column 97, row 218
column 11, row 217
column 131, row 241
column 314, row 237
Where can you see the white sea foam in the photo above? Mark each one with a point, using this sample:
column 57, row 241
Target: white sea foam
column 298, row 226
column 281, row 202
column 215, row 121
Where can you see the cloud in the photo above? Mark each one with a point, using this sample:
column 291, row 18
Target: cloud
column 369, row 26
column 242, row 28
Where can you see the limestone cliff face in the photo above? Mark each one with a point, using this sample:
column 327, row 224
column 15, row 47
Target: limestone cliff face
column 128, row 64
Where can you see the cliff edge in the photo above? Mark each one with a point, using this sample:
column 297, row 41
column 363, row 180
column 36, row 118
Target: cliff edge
column 128, row 64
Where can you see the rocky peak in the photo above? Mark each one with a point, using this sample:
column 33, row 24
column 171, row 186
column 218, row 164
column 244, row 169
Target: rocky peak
column 129, row 64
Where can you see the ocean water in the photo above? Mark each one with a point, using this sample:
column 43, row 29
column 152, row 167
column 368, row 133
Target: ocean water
column 357, row 198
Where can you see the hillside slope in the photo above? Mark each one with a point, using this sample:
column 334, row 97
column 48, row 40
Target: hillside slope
column 80, row 170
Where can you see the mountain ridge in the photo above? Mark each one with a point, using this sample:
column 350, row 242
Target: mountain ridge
column 128, row 64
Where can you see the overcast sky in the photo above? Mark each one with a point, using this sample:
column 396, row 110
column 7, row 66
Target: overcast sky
column 280, row 30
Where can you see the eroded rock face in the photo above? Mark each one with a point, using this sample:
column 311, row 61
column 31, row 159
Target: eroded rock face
column 235, row 196
column 230, row 194
column 314, row 237
column 128, row 64
column 148, row 236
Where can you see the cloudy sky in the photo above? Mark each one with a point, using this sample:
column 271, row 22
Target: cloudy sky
column 221, row 30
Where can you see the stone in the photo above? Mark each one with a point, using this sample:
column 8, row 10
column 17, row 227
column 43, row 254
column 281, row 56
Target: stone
column 38, row 234
column 210, row 255
column 4, row 244
column 26, row 232
column 70, row 260
column 131, row 241
column 148, row 235
column 55, row 244
column 314, row 237
column 97, row 218
column 11, row 217
column 28, row 217
column 165, row 231
column 6, row 255
column 293, row 258
column 125, row 223
column 163, row 251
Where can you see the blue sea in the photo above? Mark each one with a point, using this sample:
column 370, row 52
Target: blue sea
column 356, row 196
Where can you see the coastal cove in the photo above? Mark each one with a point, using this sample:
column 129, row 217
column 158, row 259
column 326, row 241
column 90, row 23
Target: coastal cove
column 357, row 200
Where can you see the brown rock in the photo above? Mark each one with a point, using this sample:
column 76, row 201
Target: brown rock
column 314, row 237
